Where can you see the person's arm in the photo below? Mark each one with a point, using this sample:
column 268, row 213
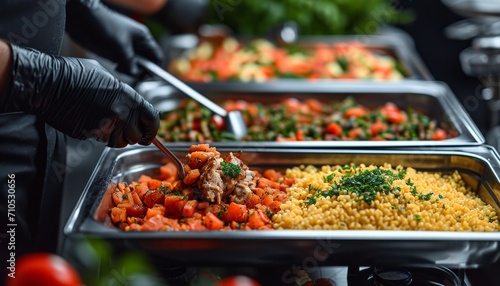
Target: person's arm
column 79, row 98
column 5, row 66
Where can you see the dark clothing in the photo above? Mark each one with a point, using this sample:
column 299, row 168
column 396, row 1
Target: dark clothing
column 38, row 24
column 30, row 150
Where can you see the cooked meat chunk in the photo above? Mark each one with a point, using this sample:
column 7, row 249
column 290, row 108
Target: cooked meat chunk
column 216, row 186
column 210, row 183
column 242, row 189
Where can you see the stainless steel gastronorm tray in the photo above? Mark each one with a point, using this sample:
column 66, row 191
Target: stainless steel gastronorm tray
column 478, row 165
column 434, row 99
column 391, row 42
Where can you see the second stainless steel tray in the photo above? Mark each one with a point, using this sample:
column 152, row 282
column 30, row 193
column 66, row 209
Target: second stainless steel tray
column 433, row 99
column 390, row 41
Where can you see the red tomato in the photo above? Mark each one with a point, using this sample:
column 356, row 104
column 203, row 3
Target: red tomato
column 377, row 127
column 44, row 269
column 355, row 112
column 439, row 134
column 238, row 280
column 334, row 128
column 395, row 117
column 218, row 122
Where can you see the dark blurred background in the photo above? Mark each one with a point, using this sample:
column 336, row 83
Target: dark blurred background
column 441, row 54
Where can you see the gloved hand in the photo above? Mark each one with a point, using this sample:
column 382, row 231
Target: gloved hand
column 79, row 98
column 111, row 35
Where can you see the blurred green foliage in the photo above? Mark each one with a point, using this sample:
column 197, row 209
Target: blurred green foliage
column 314, row 17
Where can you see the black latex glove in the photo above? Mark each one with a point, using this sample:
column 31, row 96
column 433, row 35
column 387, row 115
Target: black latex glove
column 111, row 35
column 79, row 98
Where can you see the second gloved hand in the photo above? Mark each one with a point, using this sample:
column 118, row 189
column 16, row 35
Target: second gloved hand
column 79, row 98
column 111, row 35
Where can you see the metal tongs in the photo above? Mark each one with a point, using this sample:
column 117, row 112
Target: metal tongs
column 233, row 119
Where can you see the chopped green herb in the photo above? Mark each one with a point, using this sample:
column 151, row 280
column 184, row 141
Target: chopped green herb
column 418, row 218
column 269, row 213
column 329, row 178
column 425, row 197
column 365, row 185
column 231, row 169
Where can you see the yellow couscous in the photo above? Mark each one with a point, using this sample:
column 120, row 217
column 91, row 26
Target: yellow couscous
column 382, row 197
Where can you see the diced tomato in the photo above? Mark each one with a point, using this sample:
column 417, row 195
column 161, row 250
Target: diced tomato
column 377, row 127
column 439, row 134
column 154, row 223
column 289, row 181
column 390, row 107
column 235, row 212
column 334, row 128
column 153, row 197
column 292, row 104
column 117, row 197
column 134, row 210
column 271, row 174
column 253, row 201
column 191, row 177
column 218, row 122
column 156, row 210
column 263, row 183
column 136, row 199
column 203, row 205
column 188, row 192
column 154, row 184
column 275, row 206
column 189, row 208
column 236, row 105
column 212, row 222
column 300, row 135
column 174, row 205
column 121, row 186
column 118, row 215
column 354, row 133
column 195, row 224
column 141, row 190
column 168, row 170
column 314, row 105
column 355, row 112
column 267, row 200
column 197, row 159
column 199, row 147
column 395, row 117
column 257, row 219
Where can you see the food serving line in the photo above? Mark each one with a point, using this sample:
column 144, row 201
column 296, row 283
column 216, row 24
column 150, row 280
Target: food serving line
column 444, row 256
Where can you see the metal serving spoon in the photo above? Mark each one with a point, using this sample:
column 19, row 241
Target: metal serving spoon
column 180, row 167
column 233, row 120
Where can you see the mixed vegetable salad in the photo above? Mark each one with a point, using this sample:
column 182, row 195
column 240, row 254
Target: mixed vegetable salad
column 307, row 120
column 260, row 60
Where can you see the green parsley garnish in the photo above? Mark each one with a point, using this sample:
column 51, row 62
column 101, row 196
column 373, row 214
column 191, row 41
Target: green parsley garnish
column 231, row 169
column 418, row 218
